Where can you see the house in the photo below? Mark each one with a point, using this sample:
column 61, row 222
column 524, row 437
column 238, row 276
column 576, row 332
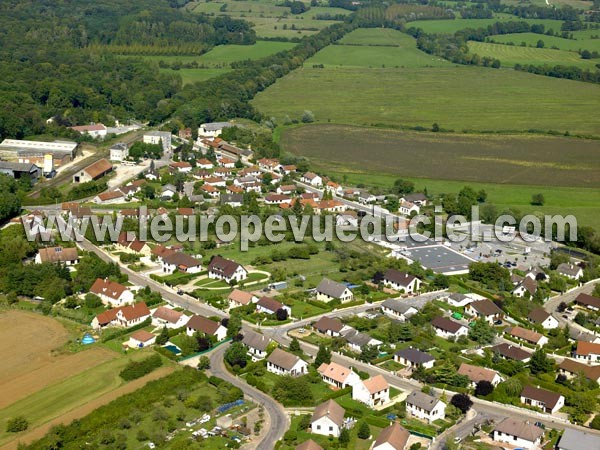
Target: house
column 211, row 191
column 107, row 198
column 329, row 326
column 123, row 316
column 484, row 309
column 334, row 188
column 111, row 292
column 584, row 336
column 570, row 368
column 93, row 171
column 548, row 401
column 233, row 200
column 228, row 163
column 180, row 261
column 330, row 206
column 329, row 290
column 518, row 433
column 215, row 182
column 448, row 328
column 327, row 419
column 204, row 164
column 337, row 375
column 418, row 198
column 408, row 208
column 181, row 167
column 223, row 172
column 152, row 174
column 158, row 137
column 401, row 281
column 269, row 305
column 119, row 152
column 588, row 301
column 168, row 191
column 347, row 219
column 281, row 362
column 135, row 246
column 577, row 440
column 373, row 392
column 257, row 344
column 309, row 445
column 570, row 271
column 526, row 287
column 398, row 309
column 525, row 335
column 458, row 300
column 212, row 129
column 394, row 437
column 312, row 178
column 508, row 351
column 277, row 199
column 95, row 130
column 539, row 316
column 477, row 374
column 587, row 351
column 425, row 406
column 167, row 317
column 203, row 325
column 141, row 339
column 288, row 189
column 411, row 357
column 356, row 340
column 66, row 256
column 287, row 169
column 240, row 298
column 226, row 269
column 268, row 164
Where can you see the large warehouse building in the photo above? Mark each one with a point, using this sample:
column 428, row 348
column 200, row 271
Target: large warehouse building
column 47, row 155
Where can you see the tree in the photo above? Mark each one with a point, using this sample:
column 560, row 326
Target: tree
column 483, row 388
column 17, row 424
column 236, row 355
column 344, row 436
column 364, row 432
column 540, row 363
column 308, row 117
column 204, row 363
column 482, row 332
column 323, row 355
column 435, row 127
column 403, row 186
column 462, row 402
column 368, row 353
column 234, row 325
column 540, row 44
column 281, row 314
column 585, row 54
column 561, row 307
column 295, row 346
column 163, row 337
column 580, row 318
column 537, row 199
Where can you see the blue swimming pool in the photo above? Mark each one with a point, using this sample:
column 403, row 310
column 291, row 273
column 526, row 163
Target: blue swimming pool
column 173, row 349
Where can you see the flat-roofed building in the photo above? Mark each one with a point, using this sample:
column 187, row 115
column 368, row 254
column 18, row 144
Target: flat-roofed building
column 55, row 154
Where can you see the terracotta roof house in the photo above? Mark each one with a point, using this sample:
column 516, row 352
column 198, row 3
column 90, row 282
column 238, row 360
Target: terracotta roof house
column 328, row 325
column 412, row 357
column 394, row 437
column 111, row 292
column 141, row 339
column 530, row 336
column 337, row 375
column 513, row 352
column 238, row 298
column 206, row 326
column 477, row 374
column 401, row 281
column 327, row 419
column 123, row 316
column 548, row 401
column 115, row 196
column 329, row 290
column 67, row 256
column 518, row 433
column 226, row 269
column 163, row 316
column 93, row 171
column 281, row 362
column 309, row 445
column 372, row 392
column 588, row 351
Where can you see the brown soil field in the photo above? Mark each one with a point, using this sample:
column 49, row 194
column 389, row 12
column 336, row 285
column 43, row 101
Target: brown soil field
column 522, row 159
column 26, row 343
column 84, row 410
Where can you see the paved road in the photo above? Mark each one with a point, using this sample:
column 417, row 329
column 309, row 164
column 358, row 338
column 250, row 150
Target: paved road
column 277, row 422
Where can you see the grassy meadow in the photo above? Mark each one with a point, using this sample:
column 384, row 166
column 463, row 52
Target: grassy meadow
column 581, row 42
column 190, row 76
column 452, row 26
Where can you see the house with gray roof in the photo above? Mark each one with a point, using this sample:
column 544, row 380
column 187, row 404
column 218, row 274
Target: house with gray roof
column 357, row 340
column 257, row 344
column 281, row 362
column 329, row 290
column 577, row 440
column 397, row 309
column 412, row 357
column 425, row 407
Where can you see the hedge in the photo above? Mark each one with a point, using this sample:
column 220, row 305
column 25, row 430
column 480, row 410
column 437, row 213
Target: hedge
column 339, row 393
column 377, row 421
column 137, row 369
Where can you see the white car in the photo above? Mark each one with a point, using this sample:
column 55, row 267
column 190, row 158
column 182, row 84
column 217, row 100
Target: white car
column 151, row 445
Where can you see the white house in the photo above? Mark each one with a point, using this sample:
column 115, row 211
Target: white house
column 257, row 344
column 239, row 298
column 212, row 129
column 312, row 178
column 411, row 357
column 281, row 362
column 484, row 309
column 206, row 326
column 570, row 271
column 269, row 305
column 328, row 419
column 548, row 401
column 458, row 300
column 168, row 191
column 95, row 130
column 226, row 269
column 448, row 328
column 337, row 375
column 539, row 316
column 587, row 351
column 518, row 433
column 477, row 374
column 329, row 290
column 158, row 137
column 180, row 261
column 372, row 392
column 397, row 309
column 407, row 208
column 525, row 335
column 67, row 256
column 181, row 167
column 119, row 152
column 425, row 406
column 167, row 317
column 394, row 437
column 527, row 286
column 141, row 339
column 401, row 281
column 330, row 326
column 123, row 316
column 111, row 292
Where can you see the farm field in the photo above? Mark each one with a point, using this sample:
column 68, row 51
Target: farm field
column 375, row 48
column 509, row 55
column 189, row 76
column 530, row 39
column 452, row 26
column 458, row 98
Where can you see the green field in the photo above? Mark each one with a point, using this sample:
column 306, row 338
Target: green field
column 375, row 48
column 194, row 75
column 452, row 26
column 582, row 42
column 456, row 98
column 510, row 55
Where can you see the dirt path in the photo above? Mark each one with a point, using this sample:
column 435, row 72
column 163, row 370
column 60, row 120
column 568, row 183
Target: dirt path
column 84, row 410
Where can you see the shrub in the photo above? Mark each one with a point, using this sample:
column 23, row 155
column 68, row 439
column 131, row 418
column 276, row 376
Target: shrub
column 16, row 424
column 137, row 369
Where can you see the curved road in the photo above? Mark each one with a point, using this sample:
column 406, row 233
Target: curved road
column 277, row 422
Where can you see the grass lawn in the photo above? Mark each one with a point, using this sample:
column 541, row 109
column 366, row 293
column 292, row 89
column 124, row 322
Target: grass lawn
column 256, row 276
column 509, row 55
column 190, row 76
column 212, row 283
column 302, row 309
column 581, row 42
column 455, row 97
